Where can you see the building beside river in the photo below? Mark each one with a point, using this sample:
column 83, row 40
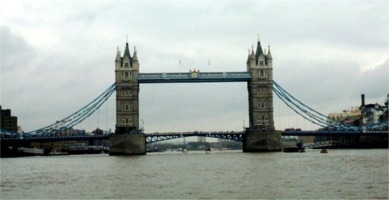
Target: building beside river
column 372, row 116
column 7, row 121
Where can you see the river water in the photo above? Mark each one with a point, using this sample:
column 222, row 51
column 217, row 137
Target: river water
column 340, row 174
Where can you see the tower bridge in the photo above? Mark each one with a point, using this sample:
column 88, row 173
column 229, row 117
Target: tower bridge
column 260, row 136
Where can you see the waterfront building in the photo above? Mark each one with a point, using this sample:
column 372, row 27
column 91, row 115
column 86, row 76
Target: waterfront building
column 351, row 116
column 373, row 113
column 7, row 121
column 364, row 115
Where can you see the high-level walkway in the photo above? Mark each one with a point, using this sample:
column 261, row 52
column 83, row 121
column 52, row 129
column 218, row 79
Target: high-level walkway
column 194, row 76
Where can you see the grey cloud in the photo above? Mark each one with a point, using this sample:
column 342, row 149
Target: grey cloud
column 70, row 75
column 352, row 24
column 46, row 86
column 374, row 82
column 14, row 50
column 330, row 87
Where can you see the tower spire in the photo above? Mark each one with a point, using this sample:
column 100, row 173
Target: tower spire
column 259, row 51
column 127, row 52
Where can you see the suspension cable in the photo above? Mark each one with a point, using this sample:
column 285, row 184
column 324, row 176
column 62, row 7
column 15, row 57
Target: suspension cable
column 78, row 116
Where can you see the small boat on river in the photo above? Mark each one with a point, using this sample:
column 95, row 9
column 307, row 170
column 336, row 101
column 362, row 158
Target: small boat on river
column 293, row 149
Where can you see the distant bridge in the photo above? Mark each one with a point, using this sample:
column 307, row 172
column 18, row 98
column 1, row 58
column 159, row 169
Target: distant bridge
column 230, row 135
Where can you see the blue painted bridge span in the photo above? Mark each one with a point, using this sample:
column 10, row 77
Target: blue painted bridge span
column 194, row 77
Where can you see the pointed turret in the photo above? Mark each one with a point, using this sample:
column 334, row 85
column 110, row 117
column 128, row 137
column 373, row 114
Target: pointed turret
column 269, row 57
column 127, row 52
column 251, row 59
column 135, row 56
column 252, row 56
column 248, row 57
column 127, row 60
column 118, row 58
column 259, row 50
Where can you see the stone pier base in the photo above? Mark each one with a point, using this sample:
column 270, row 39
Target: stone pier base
column 128, row 144
column 262, row 141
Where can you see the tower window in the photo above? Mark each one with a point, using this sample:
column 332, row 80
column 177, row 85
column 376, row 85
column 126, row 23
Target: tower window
column 263, row 119
column 126, row 93
column 126, row 120
column 261, row 63
column 263, row 72
column 263, row 104
column 261, row 90
column 125, row 64
column 126, row 107
column 126, row 75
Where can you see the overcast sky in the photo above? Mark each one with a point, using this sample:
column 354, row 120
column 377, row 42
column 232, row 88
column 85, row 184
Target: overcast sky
column 57, row 56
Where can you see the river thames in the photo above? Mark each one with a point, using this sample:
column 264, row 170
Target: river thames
column 340, row 174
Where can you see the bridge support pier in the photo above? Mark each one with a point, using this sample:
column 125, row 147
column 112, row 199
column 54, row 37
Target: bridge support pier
column 260, row 141
column 128, row 144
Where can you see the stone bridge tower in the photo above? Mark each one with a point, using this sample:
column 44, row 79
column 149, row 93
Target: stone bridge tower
column 127, row 91
column 261, row 135
column 127, row 140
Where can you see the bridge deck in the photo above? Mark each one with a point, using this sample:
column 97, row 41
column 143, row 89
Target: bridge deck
column 190, row 77
column 231, row 135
